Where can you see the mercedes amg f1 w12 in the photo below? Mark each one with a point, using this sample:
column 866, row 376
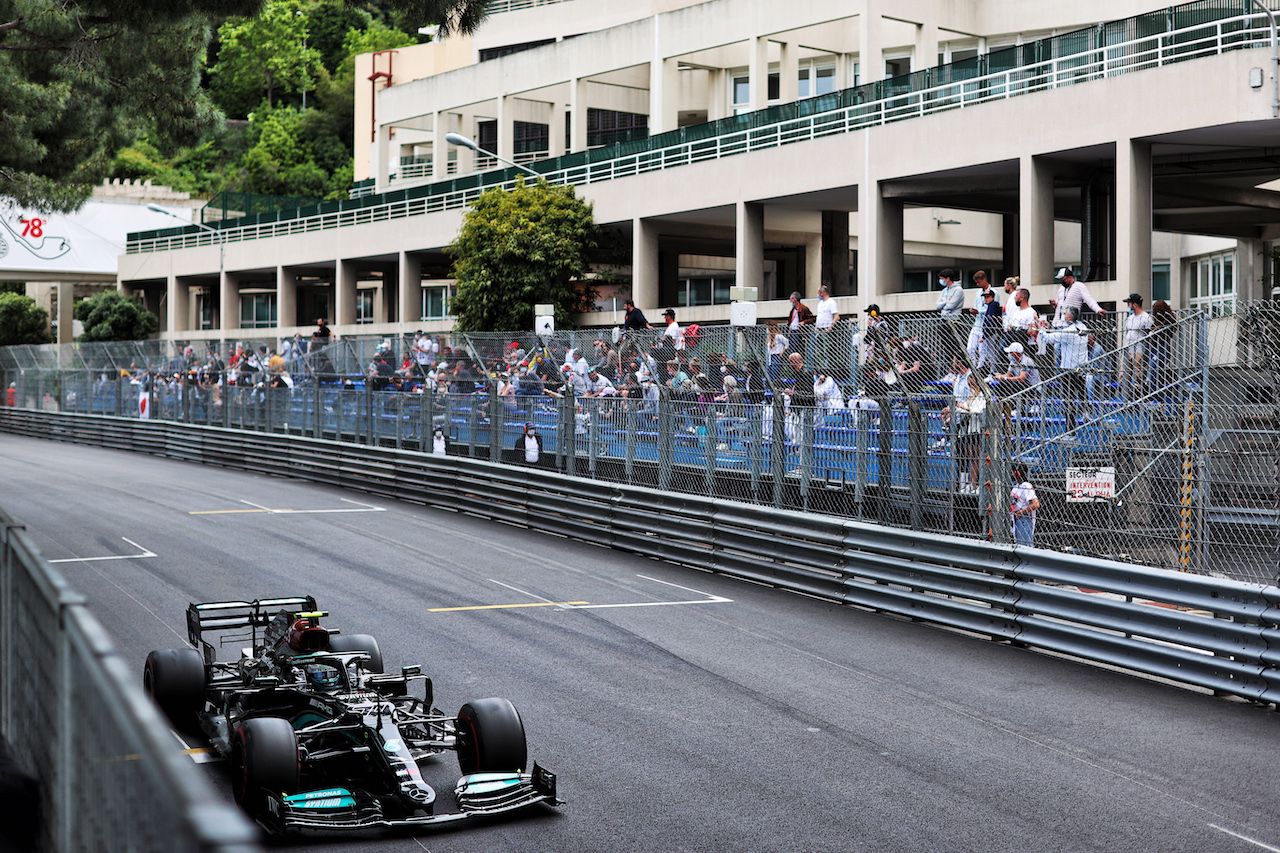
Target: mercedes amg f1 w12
column 318, row 736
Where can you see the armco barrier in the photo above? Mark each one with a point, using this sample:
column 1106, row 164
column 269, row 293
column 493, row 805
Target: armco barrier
column 110, row 773
column 1209, row 632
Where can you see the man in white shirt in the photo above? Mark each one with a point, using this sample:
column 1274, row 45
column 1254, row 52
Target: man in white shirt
column 1136, row 328
column 826, row 318
column 1072, row 294
column 1019, row 319
column 1071, row 347
column 673, row 330
column 978, row 354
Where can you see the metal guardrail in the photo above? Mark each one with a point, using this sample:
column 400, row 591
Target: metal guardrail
column 1208, row 632
column 111, row 775
column 1177, row 34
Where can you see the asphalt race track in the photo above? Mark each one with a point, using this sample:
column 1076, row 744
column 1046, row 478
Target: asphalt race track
column 682, row 711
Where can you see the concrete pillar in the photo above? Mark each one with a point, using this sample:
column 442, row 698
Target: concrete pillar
column 66, row 306
column 813, row 263
column 718, row 80
column 506, row 128
column 758, row 71
column 286, row 297
column 1010, row 257
column 228, row 302
column 555, row 129
column 384, row 155
column 1133, row 216
column 664, row 95
column 409, row 273
column 439, row 148
column 834, row 271
column 344, row 279
column 749, row 246
column 1035, row 221
column 645, row 272
column 464, row 123
column 789, row 73
column 926, row 52
column 871, row 42
column 577, row 115
column 178, row 309
column 879, row 243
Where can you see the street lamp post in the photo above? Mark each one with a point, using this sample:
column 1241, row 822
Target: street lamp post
column 459, row 139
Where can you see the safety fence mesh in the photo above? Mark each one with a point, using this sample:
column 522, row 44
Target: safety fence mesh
column 1152, row 436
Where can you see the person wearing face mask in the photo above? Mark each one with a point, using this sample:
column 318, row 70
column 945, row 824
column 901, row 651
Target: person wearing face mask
column 951, row 299
column 1136, row 328
column 439, row 444
column 529, row 445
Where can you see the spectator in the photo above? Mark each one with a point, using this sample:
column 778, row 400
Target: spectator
column 1019, row 320
column 977, row 352
column 1071, row 294
column 801, row 392
column 827, row 396
column 1023, row 504
column 951, row 299
column 825, row 321
column 674, row 336
column 321, row 336
column 1098, row 368
column 1071, row 350
column 633, row 318
column 1160, row 345
column 424, row 351
column 439, row 443
column 1021, row 373
column 529, row 445
column 800, row 314
column 1136, row 328
column 992, row 320
column 972, row 413
column 777, row 345
column 599, row 385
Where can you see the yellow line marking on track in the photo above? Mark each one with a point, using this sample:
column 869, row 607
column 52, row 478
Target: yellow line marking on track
column 199, row 750
column 507, row 606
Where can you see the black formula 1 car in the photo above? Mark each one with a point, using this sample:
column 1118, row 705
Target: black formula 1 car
column 318, row 736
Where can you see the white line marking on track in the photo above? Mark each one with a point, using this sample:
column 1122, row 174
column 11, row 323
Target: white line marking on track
column 360, row 507
column 1245, row 838
column 710, row 599
column 145, row 553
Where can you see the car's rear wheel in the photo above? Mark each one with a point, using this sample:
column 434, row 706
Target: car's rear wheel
column 358, row 643
column 264, row 757
column 175, row 679
column 490, row 737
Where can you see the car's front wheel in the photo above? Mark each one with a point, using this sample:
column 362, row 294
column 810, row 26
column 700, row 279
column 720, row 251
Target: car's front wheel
column 264, row 757
column 490, row 737
column 175, row 679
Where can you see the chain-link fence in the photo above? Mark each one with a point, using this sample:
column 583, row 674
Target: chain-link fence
column 109, row 774
column 1152, row 437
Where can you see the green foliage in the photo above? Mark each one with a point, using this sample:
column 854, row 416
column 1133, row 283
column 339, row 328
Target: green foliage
column 329, row 22
column 111, row 316
column 263, row 56
column 81, row 79
column 21, row 322
column 519, row 248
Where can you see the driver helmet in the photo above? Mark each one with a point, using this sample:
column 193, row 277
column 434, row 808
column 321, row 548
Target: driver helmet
column 322, row 676
column 306, row 636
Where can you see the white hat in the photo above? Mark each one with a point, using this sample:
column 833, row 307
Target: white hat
column 1014, row 347
column 1063, row 273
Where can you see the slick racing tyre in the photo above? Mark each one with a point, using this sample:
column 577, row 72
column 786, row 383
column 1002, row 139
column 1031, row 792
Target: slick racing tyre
column 490, row 737
column 358, row 643
column 264, row 756
column 174, row 678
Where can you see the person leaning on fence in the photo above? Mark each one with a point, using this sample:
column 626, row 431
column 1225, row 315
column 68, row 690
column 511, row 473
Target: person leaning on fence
column 1071, row 350
column 1023, row 504
column 1072, row 294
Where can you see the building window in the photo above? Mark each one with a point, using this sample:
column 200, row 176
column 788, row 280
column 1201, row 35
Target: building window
column 606, row 127
column 436, row 299
column 204, row 311
column 489, row 53
column 820, row 80
column 257, row 310
column 1213, row 283
column 1159, row 282
column 531, row 138
column 704, row 290
column 364, row 306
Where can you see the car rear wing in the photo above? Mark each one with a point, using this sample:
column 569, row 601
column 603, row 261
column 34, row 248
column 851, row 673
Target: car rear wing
column 237, row 616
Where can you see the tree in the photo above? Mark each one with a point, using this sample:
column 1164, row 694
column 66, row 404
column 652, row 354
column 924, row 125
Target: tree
column 21, row 322
column 519, row 248
column 112, row 316
column 82, row 79
column 264, row 55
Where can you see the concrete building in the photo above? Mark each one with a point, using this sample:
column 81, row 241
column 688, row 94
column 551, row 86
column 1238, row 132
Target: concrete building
column 861, row 144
